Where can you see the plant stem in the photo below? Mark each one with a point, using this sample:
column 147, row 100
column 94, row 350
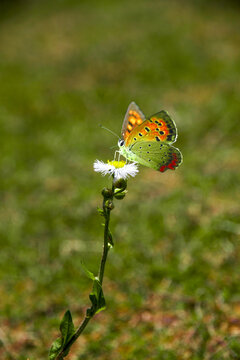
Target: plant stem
column 84, row 323
column 105, row 245
column 106, row 212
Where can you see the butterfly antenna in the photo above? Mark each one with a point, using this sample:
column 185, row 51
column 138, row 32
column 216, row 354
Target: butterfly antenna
column 103, row 127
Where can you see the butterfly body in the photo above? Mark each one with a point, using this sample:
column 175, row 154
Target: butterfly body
column 148, row 141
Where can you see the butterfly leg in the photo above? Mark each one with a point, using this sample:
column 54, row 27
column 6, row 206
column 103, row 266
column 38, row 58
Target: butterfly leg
column 115, row 155
column 119, row 156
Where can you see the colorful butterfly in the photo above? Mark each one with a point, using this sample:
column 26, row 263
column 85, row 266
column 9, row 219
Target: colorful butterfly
column 148, row 141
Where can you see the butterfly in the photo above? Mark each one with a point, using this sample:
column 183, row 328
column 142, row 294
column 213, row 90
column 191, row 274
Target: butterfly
column 147, row 141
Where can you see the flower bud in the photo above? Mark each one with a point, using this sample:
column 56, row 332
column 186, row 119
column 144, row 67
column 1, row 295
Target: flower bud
column 120, row 195
column 109, row 205
column 107, row 193
column 120, row 184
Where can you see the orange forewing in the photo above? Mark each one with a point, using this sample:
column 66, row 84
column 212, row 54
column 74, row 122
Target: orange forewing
column 133, row 118
column 159, row 127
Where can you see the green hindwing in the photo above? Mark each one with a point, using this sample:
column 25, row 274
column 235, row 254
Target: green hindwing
column 156, row 155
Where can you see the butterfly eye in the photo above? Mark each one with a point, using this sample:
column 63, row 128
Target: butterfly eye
column 120, row 142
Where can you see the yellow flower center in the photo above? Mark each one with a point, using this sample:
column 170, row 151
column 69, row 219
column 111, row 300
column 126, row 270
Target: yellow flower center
column 117, row 164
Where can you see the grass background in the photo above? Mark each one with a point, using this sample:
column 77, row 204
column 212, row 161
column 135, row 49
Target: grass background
column 172, row 280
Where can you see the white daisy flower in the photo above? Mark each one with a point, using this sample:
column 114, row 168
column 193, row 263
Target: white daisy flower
column 119, row 169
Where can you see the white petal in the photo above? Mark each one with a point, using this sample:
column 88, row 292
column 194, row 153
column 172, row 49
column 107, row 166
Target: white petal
column 118, row 173
column 132, row 169
column 100, row 166
column 126, row 171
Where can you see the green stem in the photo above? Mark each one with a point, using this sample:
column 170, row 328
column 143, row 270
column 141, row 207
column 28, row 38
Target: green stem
column 105, row 245
column 74, row 338
column 86, row 320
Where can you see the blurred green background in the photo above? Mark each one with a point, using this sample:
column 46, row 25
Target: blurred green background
column 172, row 280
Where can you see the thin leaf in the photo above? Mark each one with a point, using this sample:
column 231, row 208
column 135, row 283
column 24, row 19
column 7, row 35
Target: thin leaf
column 97, row 299
column 66, row 328
column 101, row 305
column 110, row 238
column 55, row 348
column 89, row 274
column 100, row 211
column 67, row 331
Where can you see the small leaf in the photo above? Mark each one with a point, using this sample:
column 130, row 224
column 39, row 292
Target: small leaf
column 97, row 289
column 55, row 348
column 89, row 274
column 66, row 328
column 67, row 331
column 97, row 299
column 110, row 238
column 100, row 211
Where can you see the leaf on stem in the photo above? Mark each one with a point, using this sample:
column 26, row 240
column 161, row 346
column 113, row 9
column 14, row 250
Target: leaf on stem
column 110, row 238
column 55, row 348
column 67, row 331
column 96, row 296
column 100, row 211
column 97, row 299
column 67, row 327
column 89, row 274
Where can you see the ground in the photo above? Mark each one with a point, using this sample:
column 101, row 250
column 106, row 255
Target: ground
column 172, row 280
